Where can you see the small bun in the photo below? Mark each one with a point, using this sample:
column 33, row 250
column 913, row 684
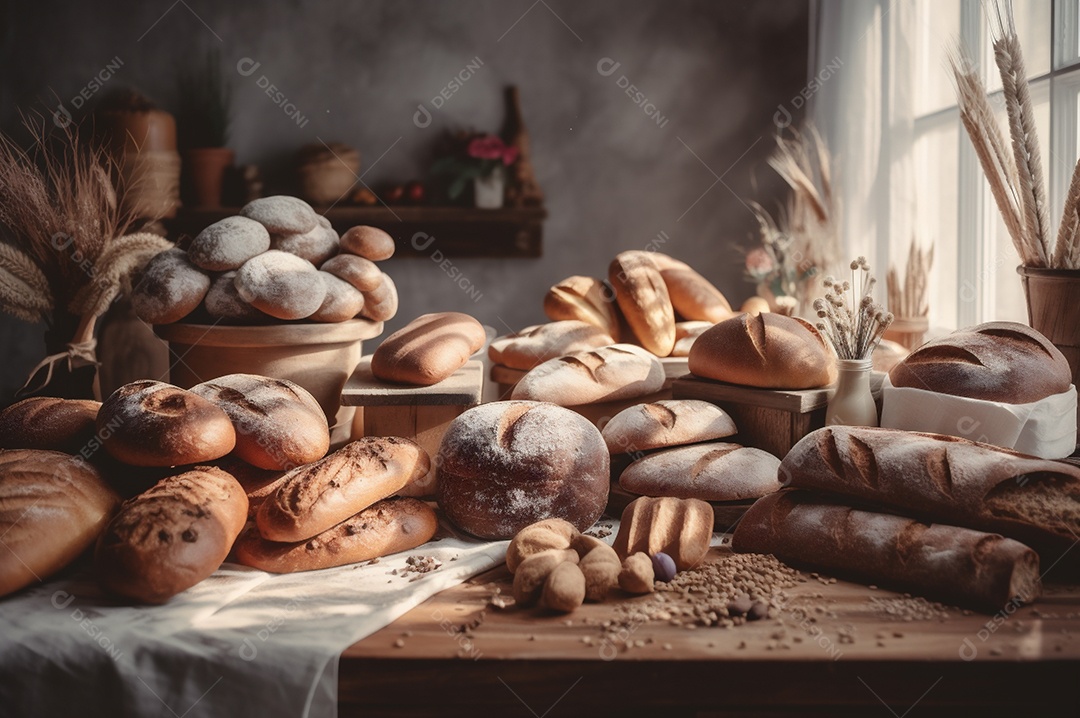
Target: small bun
column 228, row 243
column 368, row 242
column 171, row 287
column 381, row 304
column 316, row 246
column 225, row 303
column 357, row 271
column 281, row 214
column 281, row 285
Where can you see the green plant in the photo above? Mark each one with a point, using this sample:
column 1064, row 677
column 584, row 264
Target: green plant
column 204, row 98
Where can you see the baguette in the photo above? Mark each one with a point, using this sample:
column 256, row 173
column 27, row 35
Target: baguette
column 961, row 566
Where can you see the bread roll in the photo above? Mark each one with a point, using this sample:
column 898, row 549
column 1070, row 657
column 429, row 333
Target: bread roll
column 681, row 528
column 643, row 298
column 316, row 245
column 172, row 536
column 228, row 243
column 537, row 344
column 281, row 214
column 996, row 361
column 770, row 351
column 664, row 423
column 428, row 349
column 947, row 480
column 171, row 287
column 52, row 508
column 47, row 423
column 686, row 333
column 710, row 472
column 279, row 425
column 343, row 301
column 381, row 303
column 357, row 271
column 952, row 564
column 151, row 423
column 505, row 465
column 223, row 302
column 257, row 483
column 583, row 299
column 281, row 285
column 313, row 498
column 694, row 297
column 368, row 242
column 386, row 527
column 619, row 371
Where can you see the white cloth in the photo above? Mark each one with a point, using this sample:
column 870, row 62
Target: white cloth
column 1045, row 428
column 242, row 642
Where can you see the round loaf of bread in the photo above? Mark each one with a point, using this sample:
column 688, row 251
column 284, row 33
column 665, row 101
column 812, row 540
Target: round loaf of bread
column 381, row 303
column 996, row 361
column 151, row 423
column 343, row 301
column 386, row 527
column 316, row 245
column 694, row 297
column 368, row 242
column 223, row 302
column 281, row 285
column 428, row 349
column 681, row 528
column 612, row 373
column 171, row 536
column 357, row 271
column 228, row 243
column 710, row 472
column 505, row 465
column 48, row 423
column 171, row 287
column 278, row 424
column 52, row 508
column 643, row 298
column 769, row 350
column 585, row 299
column 664, row 423
column 282, row 214
column 686, row 333
column 536, row 345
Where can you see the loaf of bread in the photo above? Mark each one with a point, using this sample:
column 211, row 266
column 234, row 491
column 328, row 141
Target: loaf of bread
column 428, row 349
column 151, row 423
column 947, row 480
column 996, row 361
column 664, row 423
column 170, row 288
column 681, row 528
column 694, row 297
column 368, row 242
column 710, row 472
column 313, row 498
column 172, row 536
column 381, row 303
column 281, row 285
column 537, row 344
column 278, row 424
column 770, row 351
column 50, row 424
column 386, row 527
column 505, row 465
column 619, row 371
column 52, row 508
column 643, row 298
column 686, row 333
column 584, row 299
column 960, row 566
column 228, row 243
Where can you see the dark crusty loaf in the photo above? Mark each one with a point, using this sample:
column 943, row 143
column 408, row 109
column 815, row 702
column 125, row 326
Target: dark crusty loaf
column 171, row 536
column 996, row 361
column 958, row 565
column 42, row 422
column 428, row 349
column 386, row 527
column 944, row 479
column 52, row 508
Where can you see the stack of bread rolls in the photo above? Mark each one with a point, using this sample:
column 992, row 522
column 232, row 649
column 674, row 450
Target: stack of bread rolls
column 277, row 260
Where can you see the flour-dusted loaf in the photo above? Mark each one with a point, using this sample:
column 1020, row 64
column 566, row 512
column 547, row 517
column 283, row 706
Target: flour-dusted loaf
column 505, row 465
column 52, row 508
column 768, row 350
column 228, row 243
column 368, row 242
column 279, row 424
column 171, row 536
column 644, row 300
column 537, row 344
column 316, row 245
column 281, row 285
column 945, row 479
column 681, row 528
column 428, row 349
column 386, row 527
column 961, row 566
column 42, row 422
column 281, row 214
column 313, row 498
column 585, row 299
column 996, row 361
column 694, row 297
column 224, row 303
column 169, row 289
column 664, row 423
column 714, row 471
column 151, row 423
column 619, row 371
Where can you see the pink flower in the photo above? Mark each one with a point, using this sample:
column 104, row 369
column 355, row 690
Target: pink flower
column 758, row 261
column 490, row 147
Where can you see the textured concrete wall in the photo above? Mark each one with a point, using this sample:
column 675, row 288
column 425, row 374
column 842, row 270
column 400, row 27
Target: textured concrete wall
column 715, row 73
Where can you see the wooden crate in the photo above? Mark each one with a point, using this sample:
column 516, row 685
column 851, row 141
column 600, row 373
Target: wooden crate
column 421, row 413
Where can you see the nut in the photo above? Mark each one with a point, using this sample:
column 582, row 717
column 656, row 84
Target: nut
column 663, row 567
column 564, row 589
column 541, row 536
column 637, row 574
column 534, row 570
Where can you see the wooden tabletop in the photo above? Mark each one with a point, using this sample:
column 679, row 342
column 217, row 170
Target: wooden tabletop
column 835, row 649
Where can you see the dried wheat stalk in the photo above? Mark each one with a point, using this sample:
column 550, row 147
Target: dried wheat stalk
column 113, row 271
column 910, row 298
column 1067, row 247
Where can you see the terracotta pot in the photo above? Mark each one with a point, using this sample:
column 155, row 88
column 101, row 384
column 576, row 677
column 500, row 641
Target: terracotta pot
column 142, row 143
column 138, row 130
column 205, row 168
column 318, row 357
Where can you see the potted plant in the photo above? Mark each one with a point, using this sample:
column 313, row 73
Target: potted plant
column 203, row 128
column 483, row 162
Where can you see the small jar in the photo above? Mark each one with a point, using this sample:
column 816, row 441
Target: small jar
column 852, row 402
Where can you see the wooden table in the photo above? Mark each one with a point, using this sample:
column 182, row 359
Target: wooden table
column 516, row 662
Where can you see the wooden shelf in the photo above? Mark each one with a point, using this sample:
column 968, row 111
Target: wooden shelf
column 420, row 231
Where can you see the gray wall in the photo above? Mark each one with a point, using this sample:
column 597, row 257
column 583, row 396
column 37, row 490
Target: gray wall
column 357, row 71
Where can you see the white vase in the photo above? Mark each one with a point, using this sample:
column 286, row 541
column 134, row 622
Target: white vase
column 852, row 402
column 489, row 190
